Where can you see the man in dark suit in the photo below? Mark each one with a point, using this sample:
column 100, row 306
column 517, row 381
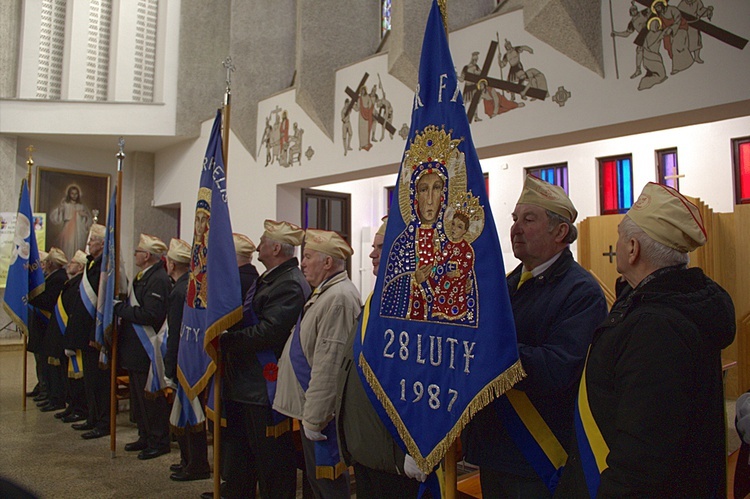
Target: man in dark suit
column 96, row 380
column 45, row 303
column 142, row 317
column 193, row 463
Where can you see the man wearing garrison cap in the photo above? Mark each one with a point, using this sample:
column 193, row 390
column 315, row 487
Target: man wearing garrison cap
column 143, row 315
column 96, row 380
column 250, row 356
column 556, row 307
column 652, row 387
column 310, row 362
column 40, row 340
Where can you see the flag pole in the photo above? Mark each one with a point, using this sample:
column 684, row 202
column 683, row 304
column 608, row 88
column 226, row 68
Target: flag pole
column 113, row 354
column 29, row 165
column 225, row 116
column 449, row 461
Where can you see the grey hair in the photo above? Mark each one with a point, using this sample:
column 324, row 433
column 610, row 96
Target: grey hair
column 654, row 252
column 287, row 250
column 555, row 220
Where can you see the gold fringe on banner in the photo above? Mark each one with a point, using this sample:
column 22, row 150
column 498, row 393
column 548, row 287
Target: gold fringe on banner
column 330, row 472
column 493, row 390
column 279, row 429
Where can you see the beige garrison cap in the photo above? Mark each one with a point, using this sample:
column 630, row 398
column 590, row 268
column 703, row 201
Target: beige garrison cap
column 80, row 257
column 97, row 230
column 381, row 230
column 43, row 255
column 56, row 255
column 548, row 196
column 152, row 244
column 243, row 245
column 669, row 218
column 283, row 232
column 328, row 242
column 179, row 251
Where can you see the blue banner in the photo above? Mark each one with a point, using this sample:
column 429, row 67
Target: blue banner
column 437, row 340
column 105, row 301
column 213, row 267
column 25, row 275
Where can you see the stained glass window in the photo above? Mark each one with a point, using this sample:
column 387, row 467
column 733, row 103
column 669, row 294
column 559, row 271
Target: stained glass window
column 385, row 17
column 554, row 174
column 741, row 159
column 616, row 184
column 666, row 164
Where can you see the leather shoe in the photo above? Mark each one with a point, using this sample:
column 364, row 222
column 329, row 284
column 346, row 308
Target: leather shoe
column 95, row 433
column 189, row 477
column 52, row 408
column 42, row 403
column 137, row 445
column 152, row 453
column 34, row 392
column 41, row 396
column 72, row 418
column 209, row 495
column 62, row 414
column 85, row 426
column 177, row 468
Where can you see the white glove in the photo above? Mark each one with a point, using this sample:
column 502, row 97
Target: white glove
column 170, row 383
column 412, row 470
column 69, row 353
column 313, row 435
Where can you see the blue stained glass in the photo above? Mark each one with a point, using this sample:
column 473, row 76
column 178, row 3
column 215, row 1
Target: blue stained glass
column 385, row 24
column 670, row 169
column 625, row 181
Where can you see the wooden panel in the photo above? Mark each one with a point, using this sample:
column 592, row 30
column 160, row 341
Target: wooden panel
column 741, row 295
column 597, row 240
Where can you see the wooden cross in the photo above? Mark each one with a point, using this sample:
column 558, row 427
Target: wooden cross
column 496, row 83
column 701, row 25
column 610, row 254
column 354, row 94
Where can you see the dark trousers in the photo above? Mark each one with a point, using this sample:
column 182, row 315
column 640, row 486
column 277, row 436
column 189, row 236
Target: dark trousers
column 193, row 451
column 323, row 487
column 507, row 485
column 151, row 413
column 376, row 484
column 57, row 378
column 77, row 396
column 249, row 453
column 97, row 384
column 41, row 372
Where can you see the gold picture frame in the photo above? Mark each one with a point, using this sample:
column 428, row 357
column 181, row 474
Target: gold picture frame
column 69, row 217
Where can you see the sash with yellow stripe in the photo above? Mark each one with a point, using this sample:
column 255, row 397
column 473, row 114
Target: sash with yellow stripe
column 61, row 315
column 75, row 365
column 591, row 445
column 532, row 436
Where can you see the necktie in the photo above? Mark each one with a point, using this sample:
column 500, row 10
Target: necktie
column 140, row 274
column 525, row 276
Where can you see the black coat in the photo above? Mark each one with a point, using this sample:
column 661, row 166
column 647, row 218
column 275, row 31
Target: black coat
column 44, row 305
column 654, row 382
column 57, row 339
column 279, row 298
column 92, row 272
column 151, row 290
column 176, row 304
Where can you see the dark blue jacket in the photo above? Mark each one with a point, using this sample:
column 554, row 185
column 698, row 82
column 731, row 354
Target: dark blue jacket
column 555, row 315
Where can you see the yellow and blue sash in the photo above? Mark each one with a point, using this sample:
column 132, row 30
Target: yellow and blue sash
column 532, row 436
column 61, row 315
column 591, row 445
column 328, row 462
column 75, row 365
